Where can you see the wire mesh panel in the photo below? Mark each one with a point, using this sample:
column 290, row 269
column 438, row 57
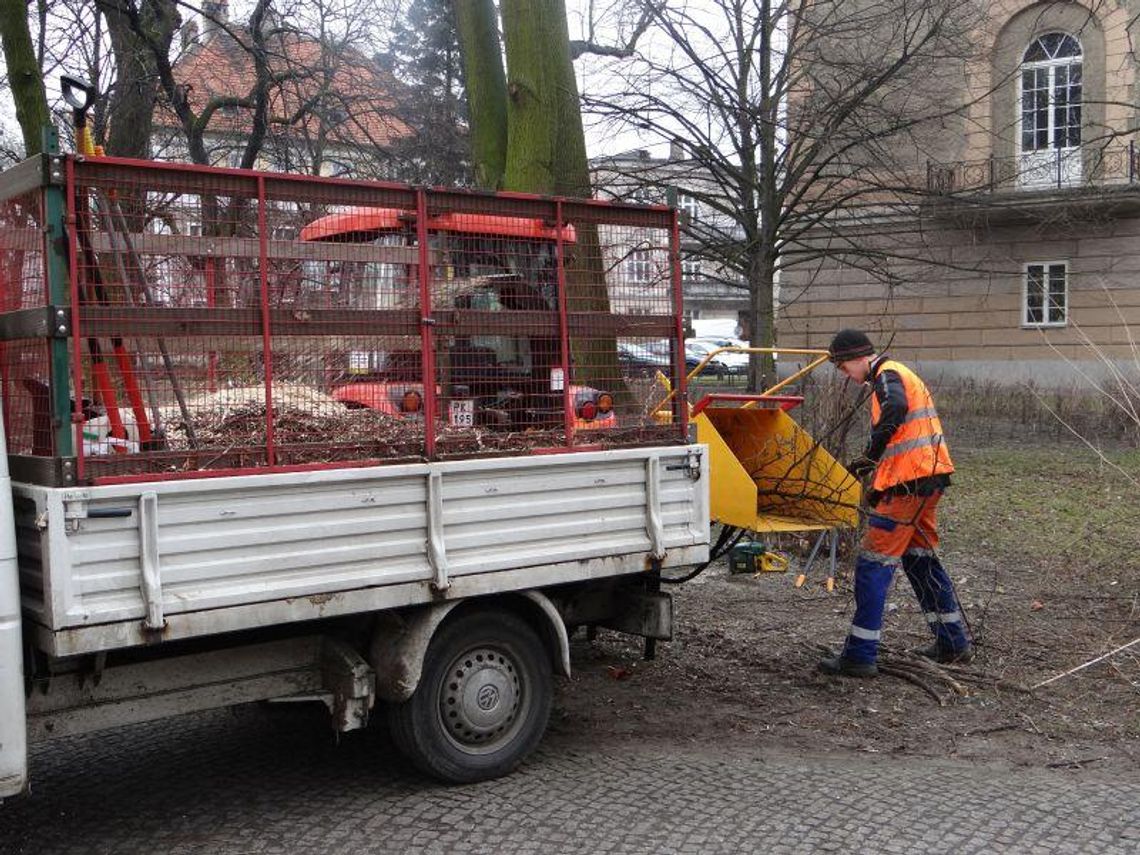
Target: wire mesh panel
column 497, row 353
column 27, row 407
column 22, row 283
column 24, row 362
column 233, row 320
column 237, row 313
column 345, row 331
column 167, row 283
column 623, row 298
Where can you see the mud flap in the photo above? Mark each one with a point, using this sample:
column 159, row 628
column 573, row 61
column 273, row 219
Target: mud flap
column 648, row 614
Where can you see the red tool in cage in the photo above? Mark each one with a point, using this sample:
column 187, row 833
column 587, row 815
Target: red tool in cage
column 80, row 96
column 105, row 426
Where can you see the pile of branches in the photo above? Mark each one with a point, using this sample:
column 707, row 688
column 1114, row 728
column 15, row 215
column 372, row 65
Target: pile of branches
column 331, row 436
column 941, row 682
column 244, row 426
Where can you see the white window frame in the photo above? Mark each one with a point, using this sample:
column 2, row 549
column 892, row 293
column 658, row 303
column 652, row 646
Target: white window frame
column 1050, row 67
column 690, row 269
column 1044, row 323
column 639, row 266
column 690, row 205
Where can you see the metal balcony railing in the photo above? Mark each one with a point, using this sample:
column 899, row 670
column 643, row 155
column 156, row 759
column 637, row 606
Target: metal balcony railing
column 1052, row 169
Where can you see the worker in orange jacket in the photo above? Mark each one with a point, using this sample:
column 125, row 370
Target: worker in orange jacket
column 909, row 464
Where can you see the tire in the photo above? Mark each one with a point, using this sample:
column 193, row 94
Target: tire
column 482, row 703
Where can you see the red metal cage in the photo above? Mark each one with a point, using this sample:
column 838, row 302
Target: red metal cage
column 162, row 320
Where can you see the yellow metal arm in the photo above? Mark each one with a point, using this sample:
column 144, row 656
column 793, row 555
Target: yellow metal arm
column 821, row 357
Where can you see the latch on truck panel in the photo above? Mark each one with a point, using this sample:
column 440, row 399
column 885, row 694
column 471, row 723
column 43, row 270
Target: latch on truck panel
column 76, row 507
column 692, row 465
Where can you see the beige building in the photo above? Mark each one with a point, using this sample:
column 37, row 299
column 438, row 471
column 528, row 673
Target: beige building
column 1017, row 256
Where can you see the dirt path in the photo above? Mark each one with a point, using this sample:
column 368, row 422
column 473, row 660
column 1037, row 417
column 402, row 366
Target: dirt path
column 1042, row 597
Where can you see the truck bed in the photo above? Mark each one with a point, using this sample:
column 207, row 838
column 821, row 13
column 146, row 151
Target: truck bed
column 114, row 566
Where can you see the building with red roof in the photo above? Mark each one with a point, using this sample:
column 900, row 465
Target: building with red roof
column 331, row 107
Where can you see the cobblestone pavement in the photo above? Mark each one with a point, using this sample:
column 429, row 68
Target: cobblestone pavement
column 274, row 781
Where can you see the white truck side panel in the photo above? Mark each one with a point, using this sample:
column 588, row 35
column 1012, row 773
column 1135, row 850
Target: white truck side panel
column 237, row 541
column 13, row 729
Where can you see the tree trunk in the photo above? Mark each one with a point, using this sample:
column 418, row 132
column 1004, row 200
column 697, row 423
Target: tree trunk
column 546, row 153
column 546, row 144
column 486, row 84
column 762, row 269
column 532, row 103
column 571, row 166
column 24, row 74
column 527, row 135
column 132, row 100
column 761, row 286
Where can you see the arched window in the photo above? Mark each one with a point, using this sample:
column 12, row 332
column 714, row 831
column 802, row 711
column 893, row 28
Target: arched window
column 1051, row 94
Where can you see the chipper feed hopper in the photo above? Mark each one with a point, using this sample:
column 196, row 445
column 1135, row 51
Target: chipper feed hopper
column 767, row 474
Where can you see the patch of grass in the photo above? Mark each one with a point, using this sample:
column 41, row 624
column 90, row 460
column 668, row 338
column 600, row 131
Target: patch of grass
column 1046, row 506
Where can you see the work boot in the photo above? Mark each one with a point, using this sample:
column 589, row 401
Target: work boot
column 842, row 666
column 946, row 655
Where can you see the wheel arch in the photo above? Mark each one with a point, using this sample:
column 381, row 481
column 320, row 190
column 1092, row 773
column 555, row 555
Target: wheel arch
column 400, row 638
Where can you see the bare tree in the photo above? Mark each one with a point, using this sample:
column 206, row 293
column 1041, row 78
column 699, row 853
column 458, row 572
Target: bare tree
column 791, row 116
column 134, row 93
column 335, row 106
column 299, row 79
column 91, row 40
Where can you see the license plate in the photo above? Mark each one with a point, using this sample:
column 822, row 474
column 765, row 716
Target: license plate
column 461, row 413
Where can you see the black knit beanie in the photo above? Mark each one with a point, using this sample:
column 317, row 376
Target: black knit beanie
column 849, row 344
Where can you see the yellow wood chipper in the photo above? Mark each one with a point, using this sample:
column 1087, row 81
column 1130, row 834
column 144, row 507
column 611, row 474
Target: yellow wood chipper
column 767, row 473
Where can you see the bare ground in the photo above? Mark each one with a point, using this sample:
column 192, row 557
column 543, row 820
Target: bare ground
column 1044, row 549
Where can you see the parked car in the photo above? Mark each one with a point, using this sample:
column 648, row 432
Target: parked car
column 718, row 342
column 722, row 364
column 642, row 360
column 728, row 342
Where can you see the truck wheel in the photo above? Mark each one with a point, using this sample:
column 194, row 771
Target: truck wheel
column 482, row 702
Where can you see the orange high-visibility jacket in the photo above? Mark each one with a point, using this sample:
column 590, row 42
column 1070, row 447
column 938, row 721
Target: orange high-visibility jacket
column 917, row 449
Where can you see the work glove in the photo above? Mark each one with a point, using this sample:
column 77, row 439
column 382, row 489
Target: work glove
column 861, row 466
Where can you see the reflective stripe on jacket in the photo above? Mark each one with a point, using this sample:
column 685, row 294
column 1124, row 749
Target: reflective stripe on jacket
column 917, row 449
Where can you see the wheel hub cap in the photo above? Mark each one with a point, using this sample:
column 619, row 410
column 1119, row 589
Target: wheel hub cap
column 481, row 699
